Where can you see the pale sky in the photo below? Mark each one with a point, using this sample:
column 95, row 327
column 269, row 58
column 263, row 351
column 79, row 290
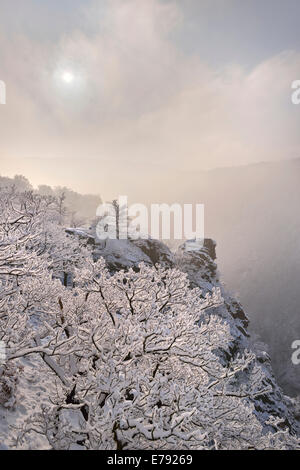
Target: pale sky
column 118, row 96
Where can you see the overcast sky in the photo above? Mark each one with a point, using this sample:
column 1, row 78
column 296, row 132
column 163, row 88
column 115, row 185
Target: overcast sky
column 159, row 88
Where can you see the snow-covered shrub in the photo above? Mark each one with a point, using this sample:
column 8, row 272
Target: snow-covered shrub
column 136, row 360
column 140, row 370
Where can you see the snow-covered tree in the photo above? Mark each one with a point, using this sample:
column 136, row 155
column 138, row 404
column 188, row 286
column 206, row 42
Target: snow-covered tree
column 136, row 360
column 139, row 367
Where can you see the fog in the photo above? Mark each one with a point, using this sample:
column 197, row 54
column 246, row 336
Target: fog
column 186, row 86
column 170, row 101
column 253, row 214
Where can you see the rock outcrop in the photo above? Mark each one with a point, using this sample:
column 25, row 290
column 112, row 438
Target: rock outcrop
column 199, row 263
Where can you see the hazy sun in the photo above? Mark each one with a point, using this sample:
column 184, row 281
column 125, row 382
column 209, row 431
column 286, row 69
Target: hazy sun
column 68, row 77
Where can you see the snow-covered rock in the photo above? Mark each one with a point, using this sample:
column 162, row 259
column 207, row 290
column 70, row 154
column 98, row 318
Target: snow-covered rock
column 199, row 262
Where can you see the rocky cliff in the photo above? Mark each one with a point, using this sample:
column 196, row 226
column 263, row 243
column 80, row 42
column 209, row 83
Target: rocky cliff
column 199, row 263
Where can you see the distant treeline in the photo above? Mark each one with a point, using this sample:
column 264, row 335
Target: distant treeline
column 79, row 209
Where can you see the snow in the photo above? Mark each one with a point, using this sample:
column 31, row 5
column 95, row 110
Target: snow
column 33, row 391
column 144, row 347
